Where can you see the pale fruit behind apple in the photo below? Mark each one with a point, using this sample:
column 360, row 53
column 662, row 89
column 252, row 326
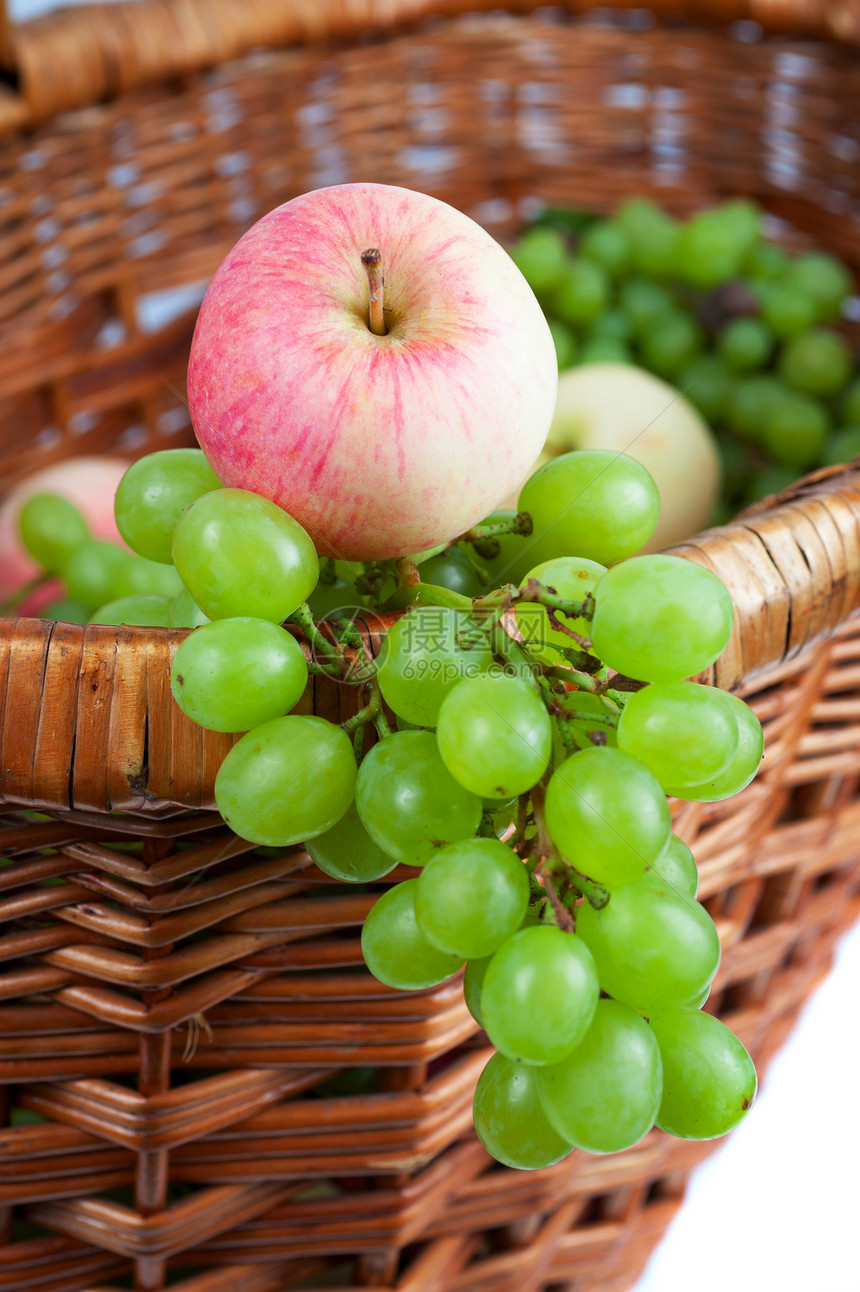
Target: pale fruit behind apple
column 89, row 482
column 379, row 445
column 619, row 406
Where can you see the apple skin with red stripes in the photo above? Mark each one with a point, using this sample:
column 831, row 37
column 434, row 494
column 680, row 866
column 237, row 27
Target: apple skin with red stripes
column 379, row 445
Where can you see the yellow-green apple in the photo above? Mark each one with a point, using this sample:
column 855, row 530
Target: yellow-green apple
column 619, row 406
column 89, row 482
column 384, row 435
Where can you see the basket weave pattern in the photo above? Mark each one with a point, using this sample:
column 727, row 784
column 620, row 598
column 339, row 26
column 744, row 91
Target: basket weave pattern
column 175, row 1004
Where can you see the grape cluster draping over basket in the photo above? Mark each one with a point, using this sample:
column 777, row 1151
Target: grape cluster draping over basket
column 526, row 740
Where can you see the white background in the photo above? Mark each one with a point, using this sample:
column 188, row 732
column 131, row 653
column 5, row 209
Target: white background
column 776, row 1207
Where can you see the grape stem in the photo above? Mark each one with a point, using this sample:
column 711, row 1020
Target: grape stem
column 522, row 822
column 364, row 715
column 411, row 591
column 346, row 633
column 483, row 575
column 582, row 681
column 561, row 916
column 373, row 712
column 304, row 619
column 372, row 261
column 550, row 860
column 334, row 660
column 519, row 524
column 485, row 538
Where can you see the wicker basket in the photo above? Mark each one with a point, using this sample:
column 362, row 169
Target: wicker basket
column 184, row 1014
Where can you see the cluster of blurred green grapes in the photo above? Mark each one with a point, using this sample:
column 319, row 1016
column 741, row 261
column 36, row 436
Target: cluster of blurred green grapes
column 732, row 320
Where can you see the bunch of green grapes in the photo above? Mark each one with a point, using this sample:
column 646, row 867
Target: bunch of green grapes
column 535, row 808
column 528, row 735
column 740, row 326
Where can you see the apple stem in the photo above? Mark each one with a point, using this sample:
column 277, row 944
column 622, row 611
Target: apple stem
column 372, row 261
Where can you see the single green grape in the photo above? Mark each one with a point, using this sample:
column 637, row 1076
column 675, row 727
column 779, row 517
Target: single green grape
column 751, row 402
column 654, row 243
column 141, row 577
column 819, row 362
column 672, row 343
column 745, row 219
column 153, row 494
column 569, row 577
column 607, row 815
column 709, row 1079
column 842, row 445
column 645, row 303
column 522, row 1017
column 710, row 250
column 234, row 674
column 509, row 1119
column 92, row 570
column 824, row 278
column 565, row 343
column 766, row 261
column 583, row 292
column 676, row 866
column 607, row 245
column 424, row 655
column 409, row 802
column 333, row 600
column 743, row 764
column 795, row 431
column 594, row 504
column 348, row 853
column 494, row 735
column 51, row 529
column 660, row 618
column 636, row 213
column 184, row 612
column 139, row 611
column 680, row 731
column 453, row 570
column 472, row 897
column 653, row 947
column 787, row 311
column 613, row 325
column 239, row 554
column 541, row 256
column 605, row 1095
column 67, row 612
column 707, row 383
column 286, row 781
column 396, row 951
column 745, row 344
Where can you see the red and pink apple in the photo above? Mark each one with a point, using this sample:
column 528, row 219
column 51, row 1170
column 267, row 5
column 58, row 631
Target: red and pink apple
column 380, row 445
column 90, row 483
